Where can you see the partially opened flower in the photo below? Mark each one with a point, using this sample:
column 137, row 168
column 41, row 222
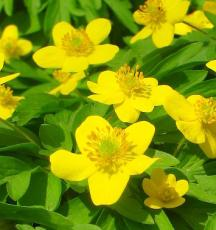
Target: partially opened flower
column 164, row 191
column 159, row 18
column 212, row 65
column 11, row 46
column 75, row 49
column 8, row 102
column 109, row 156
column 193, row 21
column 68, row 81
column 210, row 6
column 128, row 90
column 196, row 118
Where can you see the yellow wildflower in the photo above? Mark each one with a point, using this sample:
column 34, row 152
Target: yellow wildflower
column 210, row 6
column 212, row 65
column 159, row 18
column 164, row 191
column 68, row 81
column 10, row 44
column 128, row 90
column 109, row 156
column 196, row 118
column 75, row 49
column 197, row 20
column 8, row 102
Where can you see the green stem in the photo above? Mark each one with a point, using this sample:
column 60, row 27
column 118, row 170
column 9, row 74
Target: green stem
column 18, row 130
column 179, row 146
column 201, row 31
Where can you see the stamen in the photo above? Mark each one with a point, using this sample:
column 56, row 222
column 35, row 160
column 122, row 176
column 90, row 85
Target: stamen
column 132, row 82
column 61, row 76
column 168, row 194
column 77, row 43
column 6, row 97
column 9, row 47
column 109, row 149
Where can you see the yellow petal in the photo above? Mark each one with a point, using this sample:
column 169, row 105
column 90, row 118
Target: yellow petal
column 210, row 6
column 102, row 54
column 212, row 65
column 8, row 78
column 209, row 146
column 126, row 111
column 163, row 36
column 171, row 180
column 89, row 125
column 176, row 10
column 70, row 166
column 182, row 28
column 198, row 20
column 153, row 203
column 49, row 57
column 158, row 176
column 150, row 188
column 178, row 107
column 10, row 31
column 192, row 131
column 140, row 164
column 60, row 30
column 181, row 187
column 98, row 29
column 6, row 112
column 25, row 46
column 106, row 189
column 193, row 99
column 2, row 59
column 159, row 94
column 138, row 17
column 175, row 203
column 75, row 64
column 142, row 104
column 140, row 134
column 142, row 34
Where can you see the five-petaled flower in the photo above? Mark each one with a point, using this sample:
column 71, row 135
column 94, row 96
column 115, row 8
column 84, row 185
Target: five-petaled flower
column 11, row 46
column 68, row 81
column 163, row 190
column 8, row 102
column 75, row 49
column 108, row 157
column 196, row 118
column 128, row 90
column 159, row 18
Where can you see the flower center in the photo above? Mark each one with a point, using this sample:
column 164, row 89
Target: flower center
column 168, row 194
column 132, row 82
column 6, row 97
column 109, row 149
column 206, row 110
column 61, row 76
column 152, row 13
column 77, row 43
column 9, row 47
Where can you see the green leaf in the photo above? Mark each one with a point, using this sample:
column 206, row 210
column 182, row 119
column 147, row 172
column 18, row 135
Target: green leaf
column 207, row 183
column 8, row 7
column 3, row 193
column 210, row 225
column 11, row 166
column 123, row 13
column 18, row 184
column 35, row 215
column 48, row 189
column 162, row 221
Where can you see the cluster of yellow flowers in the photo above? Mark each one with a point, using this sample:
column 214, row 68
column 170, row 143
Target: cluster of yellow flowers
column 110, row 155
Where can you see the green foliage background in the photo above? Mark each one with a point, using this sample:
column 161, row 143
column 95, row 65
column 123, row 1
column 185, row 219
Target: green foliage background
column 30, row 196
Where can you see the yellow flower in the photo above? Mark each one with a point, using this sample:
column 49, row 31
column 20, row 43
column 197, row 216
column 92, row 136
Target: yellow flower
column 159, row 18
column 128, row 90
column 163, row 190
column 68, row 81
column 10, row 44
column 196, row 118
column 8, row 102
column 197, row 19
column 75, row 49
column 212, row 65
column 109, row 156
column 210, row 6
